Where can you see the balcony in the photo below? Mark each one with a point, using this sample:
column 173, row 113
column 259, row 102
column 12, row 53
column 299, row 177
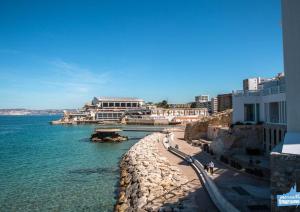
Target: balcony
column 263, row 92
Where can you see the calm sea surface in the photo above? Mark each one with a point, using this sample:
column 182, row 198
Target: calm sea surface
column 56, row 168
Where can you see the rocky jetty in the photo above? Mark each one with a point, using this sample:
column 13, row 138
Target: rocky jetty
column 148, row 182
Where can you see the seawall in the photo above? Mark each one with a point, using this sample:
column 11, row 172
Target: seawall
column 148, row 182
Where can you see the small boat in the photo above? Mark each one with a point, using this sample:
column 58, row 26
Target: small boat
column 108, row 135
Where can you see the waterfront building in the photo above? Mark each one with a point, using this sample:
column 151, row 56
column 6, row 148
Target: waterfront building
column 224, row 102
column 265, row 105
column 202, row 98
column 171, row 113
column 113, row 108
column 285, row 158
column 214, row 105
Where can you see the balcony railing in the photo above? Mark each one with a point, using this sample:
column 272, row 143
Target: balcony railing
column 263, row 92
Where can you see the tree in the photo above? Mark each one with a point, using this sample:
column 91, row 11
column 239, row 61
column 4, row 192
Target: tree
column 163, row 104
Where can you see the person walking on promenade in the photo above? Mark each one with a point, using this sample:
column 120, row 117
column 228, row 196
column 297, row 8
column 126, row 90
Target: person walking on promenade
column 206, row 167
column 211, row 167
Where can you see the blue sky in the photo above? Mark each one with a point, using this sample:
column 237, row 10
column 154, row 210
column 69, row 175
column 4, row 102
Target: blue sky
column 59, row 54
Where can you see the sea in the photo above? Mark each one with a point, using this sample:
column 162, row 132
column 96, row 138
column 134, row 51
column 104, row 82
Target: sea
column 47, row 167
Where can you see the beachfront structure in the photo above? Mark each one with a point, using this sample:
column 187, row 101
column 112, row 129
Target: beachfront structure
column 202, row 98
column 214, row 105
column 224, row 102
column 265, row 105
column 189, row 114
column 113, row 108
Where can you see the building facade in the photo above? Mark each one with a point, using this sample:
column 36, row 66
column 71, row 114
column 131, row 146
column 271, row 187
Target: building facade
column 267, row 106
column 214, row 105
column 224, row 102
column 202, row 98
column 113, row 108
column 251, row 83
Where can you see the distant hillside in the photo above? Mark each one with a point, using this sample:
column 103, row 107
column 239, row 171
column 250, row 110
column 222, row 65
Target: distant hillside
column 22, row 111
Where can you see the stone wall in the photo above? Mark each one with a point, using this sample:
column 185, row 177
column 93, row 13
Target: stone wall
column 198, row 129
column 238, row 138
column 148, row 182
column 285, row 172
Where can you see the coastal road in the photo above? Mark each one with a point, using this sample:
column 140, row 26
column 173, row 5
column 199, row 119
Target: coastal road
column 198, row 197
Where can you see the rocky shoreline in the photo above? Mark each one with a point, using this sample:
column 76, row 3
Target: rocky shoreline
column 148, row 182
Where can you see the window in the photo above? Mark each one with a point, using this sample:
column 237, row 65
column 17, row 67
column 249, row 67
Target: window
column 123, row 105
column 117, row 104
column 270, row 137
column 134, row 104
column 111, row 104
column 279, row 137
column 115, row 115
column 105, row 104
column 275, row 138
column 257, row 113
column 249, row 110
column 274, row 112
column 128, row 104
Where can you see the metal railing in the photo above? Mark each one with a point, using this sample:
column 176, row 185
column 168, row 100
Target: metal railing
column 216, row 196
column 262, row 92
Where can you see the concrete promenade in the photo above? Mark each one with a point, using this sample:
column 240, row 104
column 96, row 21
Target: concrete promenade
column 198, row 197
column 242, row 190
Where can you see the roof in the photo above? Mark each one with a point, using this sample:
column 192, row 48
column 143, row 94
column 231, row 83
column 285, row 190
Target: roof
column 108, row 130
column 120, row 99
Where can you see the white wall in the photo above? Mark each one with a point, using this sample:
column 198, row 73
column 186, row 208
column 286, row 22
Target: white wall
column 291, row 44
column 239, row 101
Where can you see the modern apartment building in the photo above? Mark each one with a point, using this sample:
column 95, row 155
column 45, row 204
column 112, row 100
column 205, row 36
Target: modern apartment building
column 265, row 105
column 214, row 104
column 202, row 98
column 224, row 102
column 251, row 83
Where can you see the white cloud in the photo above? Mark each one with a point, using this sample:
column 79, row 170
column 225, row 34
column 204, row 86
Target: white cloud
column 75, row 79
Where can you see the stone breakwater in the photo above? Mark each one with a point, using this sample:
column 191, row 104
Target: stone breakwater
column 148, row 182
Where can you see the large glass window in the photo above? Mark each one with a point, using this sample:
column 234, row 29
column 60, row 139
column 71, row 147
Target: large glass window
column 249, row 110
column 134, row 104
column 105, row 104
column 274, row 112
column 275, row 138
column 111, row 104
column 123, row 105
column 128, row 104
column 117, row 104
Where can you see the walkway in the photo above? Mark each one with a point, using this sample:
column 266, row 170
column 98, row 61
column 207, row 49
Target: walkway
column 199, row 199
column 242, row 190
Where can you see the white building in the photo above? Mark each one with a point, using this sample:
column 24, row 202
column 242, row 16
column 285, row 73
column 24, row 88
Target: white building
column 251, row 83
column 214, row 105
column 113, row 108
column 202, row 98
column 291, row 46
column 265, row 105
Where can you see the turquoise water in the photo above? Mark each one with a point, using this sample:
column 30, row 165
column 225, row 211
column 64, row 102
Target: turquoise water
column 56, row 168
